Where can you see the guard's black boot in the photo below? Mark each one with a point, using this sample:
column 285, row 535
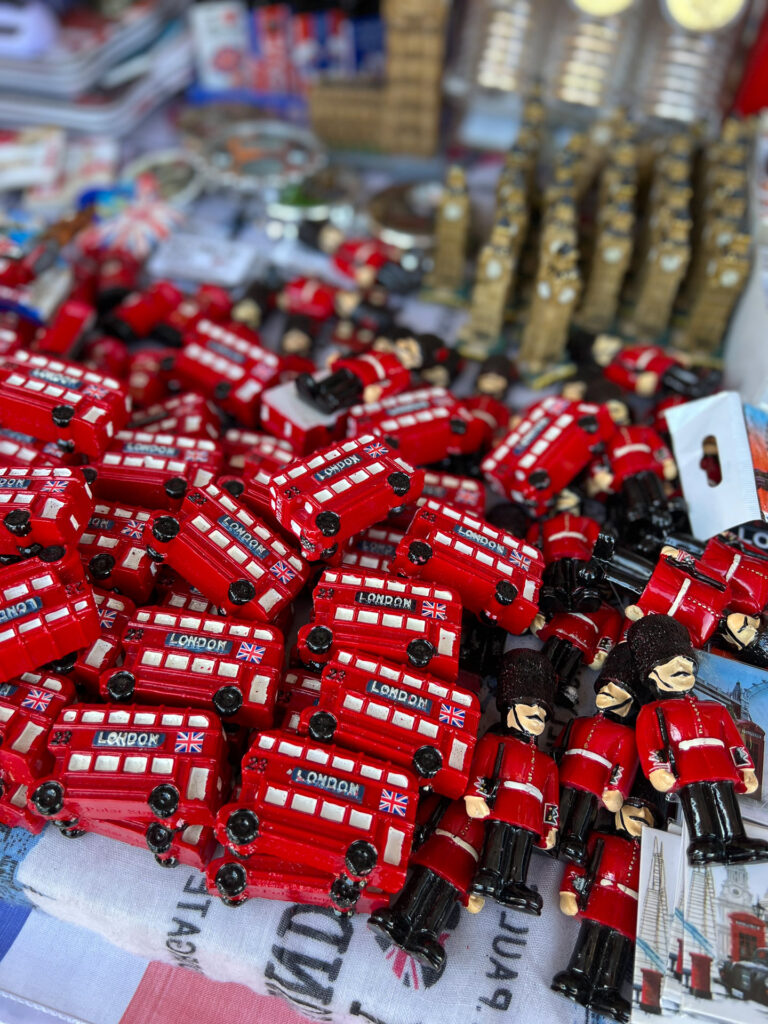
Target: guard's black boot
column 705, row 827
column 516, row 893
column 576, row 981
column 494, row 860
column 396, row 921
column 739, row 847
column 578, row 814
column 606, row 996
column 424, row 942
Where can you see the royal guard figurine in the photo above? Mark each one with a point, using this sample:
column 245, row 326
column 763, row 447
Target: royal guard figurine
column 597, row 755
column 352, row 380
column 634, row 467
column 603, row 893
column 675, row 584
column 440, row 874
column 692, row 747
column 514, row 786
column 746, row 636
column 494, row 377
column 566, row 541
column 573, row 639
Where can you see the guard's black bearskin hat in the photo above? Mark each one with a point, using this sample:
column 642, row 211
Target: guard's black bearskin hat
column 657, row 639
column 619, row 668
column 526, row 676
column 644, row 795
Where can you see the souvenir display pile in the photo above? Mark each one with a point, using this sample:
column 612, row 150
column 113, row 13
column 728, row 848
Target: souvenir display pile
column 271, row 555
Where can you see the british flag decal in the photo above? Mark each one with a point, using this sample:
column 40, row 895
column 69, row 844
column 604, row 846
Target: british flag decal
column 283, row 572
column 133, row 528
column 107, row 617
column 54, row 486
column 393, row 803
column 452, row 716
column 375, row 449
column 37, row 700
column 94, row 391
column 434, row 609
column 250, row 652
column 520, row 560
column 189, row 743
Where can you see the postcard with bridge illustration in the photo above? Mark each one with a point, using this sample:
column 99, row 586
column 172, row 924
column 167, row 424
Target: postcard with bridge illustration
column 744, row 691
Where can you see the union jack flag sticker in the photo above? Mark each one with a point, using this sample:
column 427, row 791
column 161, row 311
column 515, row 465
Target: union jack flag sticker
column 54, row 486
column 283, row 572
column 189, row 743
column 37, row 700
column 107, row 617
column 94, row 391
column 393, row 803
column 133, row 528
column 520, row 560
column 452, row 716
column 434, row 609
column 250, row 652
column 375, row 449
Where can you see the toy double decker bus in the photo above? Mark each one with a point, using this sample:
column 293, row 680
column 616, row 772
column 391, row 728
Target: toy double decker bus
column 335, row 811
column 29, row 705
column 42, row 506
column 115, row 612
column 465, row 493
column 496, row 575
column 299, row 689
column 176, row 658
column 228, row 364
column 412, row 623
column 231, row 557
column 155, row 470
column 423, row 426
column 272, row 878
column 552, row 444
column 137, row 763
column 47, row 612
column 113, row 550
column 193, row 845
column 188, row 414
column 57, row 401
column 413, row 721
column 327, row 498
column 19, row 449
column 238, row 444
column 267, row 457
column 372, row 549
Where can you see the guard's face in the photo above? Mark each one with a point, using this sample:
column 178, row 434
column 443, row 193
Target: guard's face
column 633, row 819
column 604, row 348
column 295, row 342
column 346, row 302
column 409, row 353
column 741, row 630
column 531, row 718
column 613, row 697
column 492, row 384
column 618, row 412
column 675, row 675
column 330, row 238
